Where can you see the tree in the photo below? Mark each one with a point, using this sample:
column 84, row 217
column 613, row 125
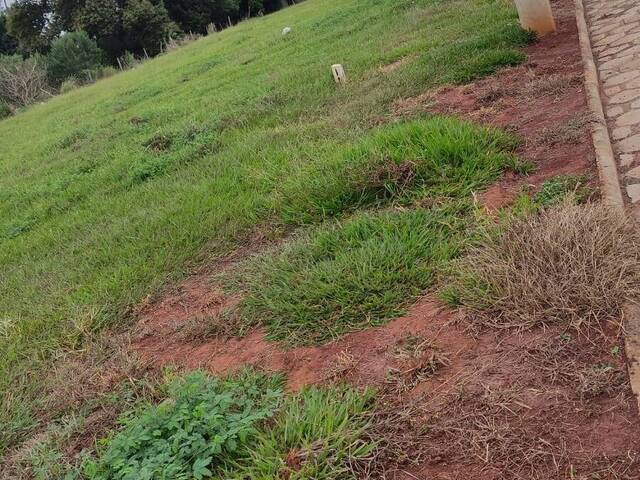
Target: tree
column 27, row 23
column 251, row 8
column 8, row 44
column 273, row 5
column 102, row 20
column 65, row 14
column 71, row 55
column 146, row 25
column 196, row 15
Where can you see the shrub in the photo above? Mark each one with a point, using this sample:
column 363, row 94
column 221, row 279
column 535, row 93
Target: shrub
column 68, row 85
column 105, row 72
column 569, row 263
column 197, row 430
column 5, row 110
column 22, row 81
column 72, row 55
column 100, row 73
column 127, row 60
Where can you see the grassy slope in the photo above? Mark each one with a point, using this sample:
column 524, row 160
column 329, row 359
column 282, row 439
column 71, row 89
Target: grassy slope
column 108, row 192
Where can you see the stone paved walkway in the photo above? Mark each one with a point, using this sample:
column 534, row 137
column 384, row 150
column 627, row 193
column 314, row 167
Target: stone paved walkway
column 614, row 26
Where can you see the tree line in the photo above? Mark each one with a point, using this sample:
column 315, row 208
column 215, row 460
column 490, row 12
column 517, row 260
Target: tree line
column 137, row 26
column 51, row 46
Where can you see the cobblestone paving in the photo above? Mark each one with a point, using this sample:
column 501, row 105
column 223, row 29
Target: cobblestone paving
column 615, row 38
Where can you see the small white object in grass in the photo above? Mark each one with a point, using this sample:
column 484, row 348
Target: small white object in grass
column 286, row 30
column 338, row 73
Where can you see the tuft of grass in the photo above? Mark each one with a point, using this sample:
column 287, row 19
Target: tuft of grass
column 319, row 433
column 404, row 379
column 575, row 264
column 570, row 133
column 439, row 156
column 348, row 276
column 201, row 328
column 600, row 379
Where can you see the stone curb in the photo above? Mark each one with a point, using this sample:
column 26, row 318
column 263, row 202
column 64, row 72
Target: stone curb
column 610, row 185
column 608, row 172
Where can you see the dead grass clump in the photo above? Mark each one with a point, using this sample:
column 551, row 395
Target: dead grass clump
column 489, row 426
column 420, row 360
column 494, row 427
column 569, row 133
column 600, row 379
column 411, row 346
column 575, row 264
column 493, row 94
column 343, row 365
column 399, row 433
column 224, row 324
column 402, row 380
column 578, row 365
column 387, row 179
column 554, row 85
column 158, row 143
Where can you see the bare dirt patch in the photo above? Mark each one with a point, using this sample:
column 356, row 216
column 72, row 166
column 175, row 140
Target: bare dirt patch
column 363, row 358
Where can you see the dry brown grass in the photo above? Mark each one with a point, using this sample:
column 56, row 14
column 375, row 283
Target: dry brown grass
column 399, row 432
column 420, row 360
column 535, row 86
column 202, row 328
column 555, row 84
column 576, row 264
column 344, row 364
column 569, row 133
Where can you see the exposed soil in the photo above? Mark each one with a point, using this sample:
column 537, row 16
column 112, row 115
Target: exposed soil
column 364, row 358
column 541, row 404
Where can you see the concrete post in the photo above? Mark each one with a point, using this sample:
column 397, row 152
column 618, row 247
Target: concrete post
column 536, row 15
column 338, row 73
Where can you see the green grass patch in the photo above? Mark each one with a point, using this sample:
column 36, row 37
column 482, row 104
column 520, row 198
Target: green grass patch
column 351, row 275
column 318, row 433
column 438, row 157
column 239, row 427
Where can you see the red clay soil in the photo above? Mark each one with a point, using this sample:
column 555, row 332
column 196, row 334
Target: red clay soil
column 542, row 404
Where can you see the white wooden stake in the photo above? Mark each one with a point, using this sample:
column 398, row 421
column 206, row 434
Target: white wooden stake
column 536, row 15
column 338, row 73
